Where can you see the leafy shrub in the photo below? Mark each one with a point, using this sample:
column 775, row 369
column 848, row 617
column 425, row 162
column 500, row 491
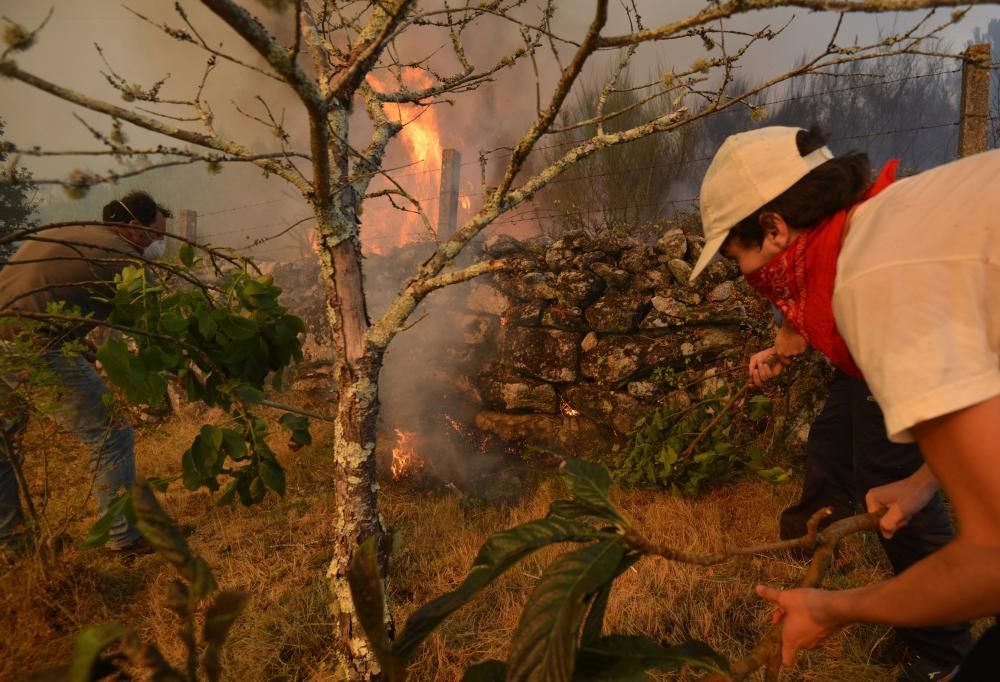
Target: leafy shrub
column 559, row 635
column 116, row 650
column 689, row 448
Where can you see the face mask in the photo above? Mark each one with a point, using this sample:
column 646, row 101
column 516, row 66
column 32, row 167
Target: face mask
column 156, row 250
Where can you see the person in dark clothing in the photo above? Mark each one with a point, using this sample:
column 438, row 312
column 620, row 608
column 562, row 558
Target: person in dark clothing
column 896, row 282
column 75, row 265
column 848, row 454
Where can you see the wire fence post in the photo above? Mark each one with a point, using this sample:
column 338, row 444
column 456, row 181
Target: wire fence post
column 975, row 108
column 451, row 162
column 185, row 226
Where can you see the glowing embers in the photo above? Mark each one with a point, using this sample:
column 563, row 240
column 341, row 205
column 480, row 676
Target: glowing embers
column 567, row 410
column 405, row 460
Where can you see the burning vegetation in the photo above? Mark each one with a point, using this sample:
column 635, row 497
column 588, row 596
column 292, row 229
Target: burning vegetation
column 405, row 460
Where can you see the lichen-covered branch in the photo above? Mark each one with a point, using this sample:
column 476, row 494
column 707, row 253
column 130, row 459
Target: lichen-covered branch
column 11, row 70
column 386, row 15
column 767, row 652
column 566, row 81
column 724, row 10
column 193, row 37
column 394, row 321
column 254, row 33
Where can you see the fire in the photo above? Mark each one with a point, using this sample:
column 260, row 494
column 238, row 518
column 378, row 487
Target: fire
column 465, row 202
column 405, row 461
column 567, row 409
column 385, row 226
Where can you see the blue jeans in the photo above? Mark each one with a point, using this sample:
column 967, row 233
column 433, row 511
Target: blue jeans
column 78, row 407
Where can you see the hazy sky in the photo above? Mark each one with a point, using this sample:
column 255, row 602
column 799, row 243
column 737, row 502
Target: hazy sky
column 493, row 117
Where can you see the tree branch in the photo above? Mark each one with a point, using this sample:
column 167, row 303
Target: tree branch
column 767, row 652
column 251, row 30
column 542, row 123
column 733, row 7
column 394, row 321
column 385, row 17
column 11, row 70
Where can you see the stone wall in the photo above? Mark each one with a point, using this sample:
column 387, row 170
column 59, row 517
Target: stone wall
column 584, row 334
column 565, row 350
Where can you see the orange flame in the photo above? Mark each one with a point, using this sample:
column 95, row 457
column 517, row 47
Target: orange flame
column 567, row 409
column 385, row 226
column 405, row 461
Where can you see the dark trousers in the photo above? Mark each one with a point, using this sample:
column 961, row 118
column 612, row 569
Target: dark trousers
column 847, row 454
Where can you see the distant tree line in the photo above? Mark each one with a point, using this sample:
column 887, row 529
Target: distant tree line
column 17, row 198
column 905, row 106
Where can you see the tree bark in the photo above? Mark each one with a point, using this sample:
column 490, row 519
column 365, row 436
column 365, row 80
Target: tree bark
column 355, row 517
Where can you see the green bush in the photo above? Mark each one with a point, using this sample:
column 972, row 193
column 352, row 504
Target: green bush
column 689, row 448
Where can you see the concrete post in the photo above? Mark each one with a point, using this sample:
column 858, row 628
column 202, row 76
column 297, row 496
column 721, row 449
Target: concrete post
column 975, row 108
column 184, row 225
column 451, row 162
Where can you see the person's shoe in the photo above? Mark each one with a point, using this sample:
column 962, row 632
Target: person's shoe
column 138, row 548
column 916, row 668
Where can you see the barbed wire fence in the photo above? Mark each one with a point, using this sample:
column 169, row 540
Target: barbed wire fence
column 535, row 213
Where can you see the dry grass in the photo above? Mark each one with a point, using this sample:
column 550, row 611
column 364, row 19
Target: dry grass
column 673, row 602
column 277, row 552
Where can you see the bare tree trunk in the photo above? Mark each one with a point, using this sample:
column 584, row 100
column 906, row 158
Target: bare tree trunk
column 356, row 516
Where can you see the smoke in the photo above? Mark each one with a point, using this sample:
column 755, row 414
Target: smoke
column 422, row 377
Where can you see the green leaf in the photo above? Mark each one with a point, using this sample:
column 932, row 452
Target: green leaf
column 589, row 483
column 163, row 534
column 257, row 489
column 249, row 394
column 113, row 356
column 622, row 657
column 219, row 618
column 544, row 644
column 186, row 255
column 499, row 552
column 487, row 671
column 172, row 324
column 369, row 601
column 595, row 616
column 760, row 406
column 206, row 325
column 207, row 456
column 774, row 475
column 273, row 476
column 243, row 490
column 299, row 426
column 229, row 494
column 572, row 509
column 199, row 574
column 239, row 328
column 192, row 478
column 233, row 444
column 100, row 531
column 88, row 647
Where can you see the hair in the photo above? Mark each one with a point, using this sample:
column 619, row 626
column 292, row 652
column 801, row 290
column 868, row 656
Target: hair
column 828, row 188
column 136, row 205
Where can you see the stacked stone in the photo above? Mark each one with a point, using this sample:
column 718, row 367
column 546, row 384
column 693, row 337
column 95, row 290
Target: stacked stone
column 583, row 323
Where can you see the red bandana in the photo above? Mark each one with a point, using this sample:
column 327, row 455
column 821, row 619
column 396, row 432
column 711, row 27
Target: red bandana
column 799, row 280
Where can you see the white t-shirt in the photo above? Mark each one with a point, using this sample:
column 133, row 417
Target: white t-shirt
column 917, row 294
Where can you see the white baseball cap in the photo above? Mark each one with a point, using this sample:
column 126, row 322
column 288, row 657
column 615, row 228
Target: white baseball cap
column 749, row 170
